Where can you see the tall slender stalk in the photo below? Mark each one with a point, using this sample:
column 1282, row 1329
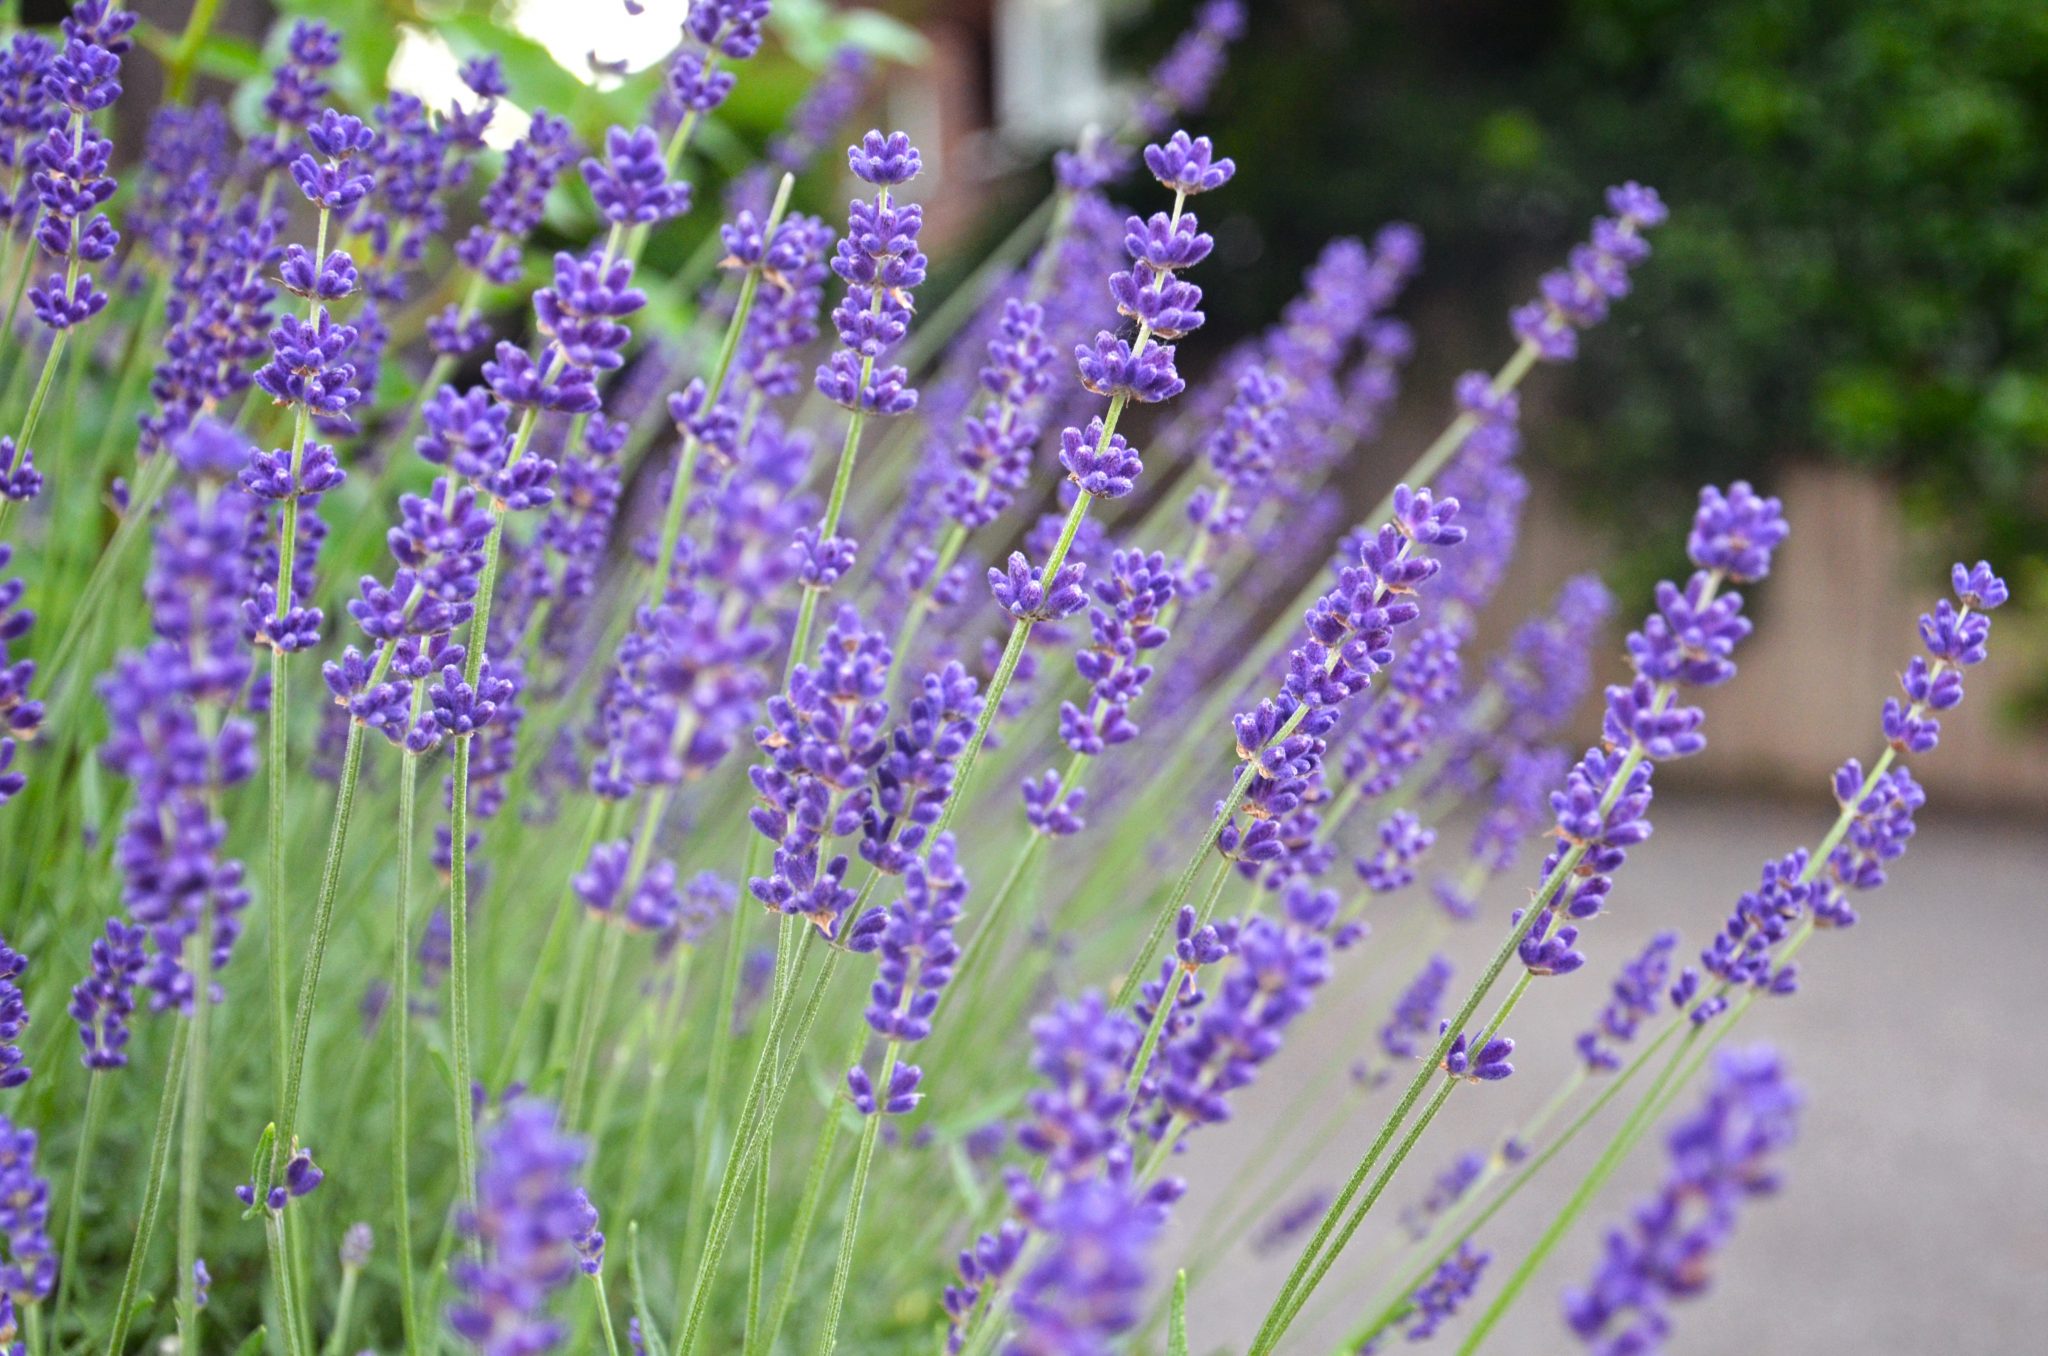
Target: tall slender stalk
column 401, row 1044
column 806, row 1217
column 747, row 1150
column 88, row 1140
column 849, row 1232
column 192, row 1159
column 152, row 1191
column 185, row 57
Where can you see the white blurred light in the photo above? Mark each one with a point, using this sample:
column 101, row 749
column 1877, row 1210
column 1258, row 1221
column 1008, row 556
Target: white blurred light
column 578, row 32
column 426, row 67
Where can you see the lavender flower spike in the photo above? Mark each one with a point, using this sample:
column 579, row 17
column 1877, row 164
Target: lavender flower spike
column 1576, row 297
column 1720, row 1159
column 528, row 1221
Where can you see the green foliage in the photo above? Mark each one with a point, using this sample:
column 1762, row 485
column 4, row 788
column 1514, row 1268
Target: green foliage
column 1857, row 261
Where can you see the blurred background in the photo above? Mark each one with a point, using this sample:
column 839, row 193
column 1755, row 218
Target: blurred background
column 1849, row 308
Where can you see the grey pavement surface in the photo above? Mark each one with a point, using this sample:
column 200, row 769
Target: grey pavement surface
column 1914, row 1217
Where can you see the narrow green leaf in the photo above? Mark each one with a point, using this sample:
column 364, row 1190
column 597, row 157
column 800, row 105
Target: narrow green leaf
column 1177, row 1319
column 252, row 1345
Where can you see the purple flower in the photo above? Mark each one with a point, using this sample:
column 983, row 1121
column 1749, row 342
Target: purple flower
column 731, row 27
column 886, row 161
column 1955, row 640
column 528, row 1220
column 1403, row 840
column 1109, row 367
column 1488, row 1063
column 913, row 940
column 1736, row 533
column 631, row 184
column 1019, row 591
column 1181, row 82
column 1720, row 1158
column 104, row 1000
column 581, row 312
column 588, row 1240
column 901, row 1096
column 69, row 168
column 1576, row 297
column 1085, row 1286
column 1188, row 166
column 330, row 177
column 462, row 709
column 1438, row 1299
column 297, row 87
column 308, row 367
column 1415, row 1012
column 20, row 715
column 357, row 1242
column 30, row 1271
column 13, row 1016
column 1050, row 810
column 880, row 262
column 1634, row 998
column 1102, row 464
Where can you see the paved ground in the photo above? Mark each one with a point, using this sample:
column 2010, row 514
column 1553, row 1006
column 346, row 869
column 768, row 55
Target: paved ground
column 1915, row 1215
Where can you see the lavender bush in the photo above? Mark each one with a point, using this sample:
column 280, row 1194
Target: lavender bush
column 788, row 952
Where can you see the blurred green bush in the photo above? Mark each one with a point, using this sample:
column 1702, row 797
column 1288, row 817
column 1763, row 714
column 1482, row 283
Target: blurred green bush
column 1857, row 261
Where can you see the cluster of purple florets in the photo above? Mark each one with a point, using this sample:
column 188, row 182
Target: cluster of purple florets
column 1721, row 1158
column 70, row 165
column 1603, row 809
column 533, row 1227
column 880, row 263
column 1577, row 297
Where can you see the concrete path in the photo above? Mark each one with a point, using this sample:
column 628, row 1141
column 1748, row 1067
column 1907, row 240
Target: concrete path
column 1915, row 1213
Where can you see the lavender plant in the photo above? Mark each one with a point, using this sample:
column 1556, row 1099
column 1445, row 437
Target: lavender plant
column 685, row 679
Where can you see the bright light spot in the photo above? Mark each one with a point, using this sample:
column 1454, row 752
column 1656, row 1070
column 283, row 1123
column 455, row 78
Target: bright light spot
column 426, row 67
column 578, row 32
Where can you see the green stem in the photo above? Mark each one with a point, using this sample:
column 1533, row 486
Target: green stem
column 1020, row 632
column 721, row 369
column 1390, row 1308
column 280, row 1025
column 806, row 1217
column 178, row 70
column 1135, row 976
column 849, row 1234
column 458, row 879
column 1171, row 995
column 828, row 526
column 344, row 1307
column 604, row 1314
column 316, row 953
column 663, row 1046
column 458, row 978
column 192, row 1161
column 740, row 1165
column 1427, row 1070
column 51, row 359
column 550, row 953
column 152, row 1192
column 401, row 1045
column 1603, row 1168
column 757, row 1257
column 88, row 1139
column 1329, row 1258
column 1653, row 1102
column 287, row 1291
column 610, row 949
